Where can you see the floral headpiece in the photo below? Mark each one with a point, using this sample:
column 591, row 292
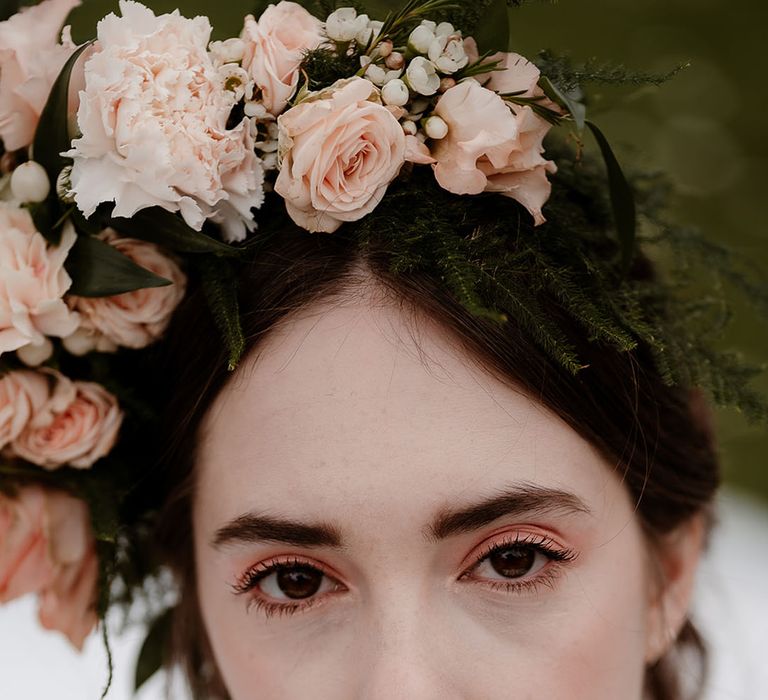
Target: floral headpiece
column 153, row 156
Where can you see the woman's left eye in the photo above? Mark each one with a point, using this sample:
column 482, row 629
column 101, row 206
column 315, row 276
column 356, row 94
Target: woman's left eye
column 519, row 563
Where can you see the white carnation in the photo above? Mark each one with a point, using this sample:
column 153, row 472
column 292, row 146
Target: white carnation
column 153, row 118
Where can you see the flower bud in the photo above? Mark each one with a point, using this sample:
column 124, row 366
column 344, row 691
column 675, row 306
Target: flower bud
column 34, row 355
column 395, row 93
column 421, row 39
column 385, row 48
column 410, row 128
column 435, row 128
column 395, row 61
column 422, row 76
column 29, row 183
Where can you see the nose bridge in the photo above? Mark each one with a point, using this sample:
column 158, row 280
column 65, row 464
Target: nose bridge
column 402, row 649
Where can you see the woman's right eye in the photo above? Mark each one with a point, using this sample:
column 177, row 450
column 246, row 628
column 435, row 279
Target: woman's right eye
column 297, row 581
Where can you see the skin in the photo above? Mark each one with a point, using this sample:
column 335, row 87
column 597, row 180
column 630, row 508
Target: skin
column 342, row 420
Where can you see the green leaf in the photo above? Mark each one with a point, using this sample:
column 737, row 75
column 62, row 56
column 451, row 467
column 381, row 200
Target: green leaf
column 492, row 33
column 153, row 649
column 52, row 134
column 622, row 198
column 165, row 228
column 577, row 110
column 220, row 287
column 226, row 17
column 99, row 270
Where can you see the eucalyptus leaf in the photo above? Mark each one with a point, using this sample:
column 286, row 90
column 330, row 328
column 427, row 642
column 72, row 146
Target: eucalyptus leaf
column 52, row 134
column 226, row 17
column 577, row 110
column 153, row 649
column 99, row 270
column 622, row 198
column 165, row 228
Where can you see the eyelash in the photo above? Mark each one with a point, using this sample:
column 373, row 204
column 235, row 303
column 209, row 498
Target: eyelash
column 556, row 555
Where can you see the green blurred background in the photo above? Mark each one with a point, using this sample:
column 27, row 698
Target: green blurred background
column 707, row 127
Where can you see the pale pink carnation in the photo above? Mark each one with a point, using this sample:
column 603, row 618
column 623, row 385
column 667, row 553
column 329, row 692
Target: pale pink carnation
column 153, row 118
column 47, row 547
column 77, row 426
column 31, row 58
column 134, row 319
column 340, row 149
column 32, row 282
column 490, row 148
column 274, row 49
column 22, row 393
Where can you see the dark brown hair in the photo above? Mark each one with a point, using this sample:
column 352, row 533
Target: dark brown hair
column 652, row 432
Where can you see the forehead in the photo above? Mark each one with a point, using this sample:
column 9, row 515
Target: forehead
column 354, row 399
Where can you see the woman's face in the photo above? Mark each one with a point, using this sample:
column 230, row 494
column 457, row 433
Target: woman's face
column 368, row 526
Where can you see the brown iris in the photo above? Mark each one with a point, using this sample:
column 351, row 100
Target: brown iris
column 299, row 581
column 513, row 562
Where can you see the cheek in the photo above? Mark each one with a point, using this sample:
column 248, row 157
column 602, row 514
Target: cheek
column 588, row 641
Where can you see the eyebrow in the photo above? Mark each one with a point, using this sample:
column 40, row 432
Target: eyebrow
column 525, row 499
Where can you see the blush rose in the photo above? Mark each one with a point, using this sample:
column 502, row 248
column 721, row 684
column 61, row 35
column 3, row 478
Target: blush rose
column 340, row 148
column 134, row 319
column 274, row 49
column 76, row 426
column 47, row 547
column 32, row 282
column 490, row 148
column 22, row 393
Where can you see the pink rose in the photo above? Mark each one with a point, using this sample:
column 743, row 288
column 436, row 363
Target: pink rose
column 21, row 394
column 47, row 547
column 274, row 49
column 134, row 319
column 340, row 149
column 32, row 282
column 490, row 148
column 77, row 426
column 30, row 61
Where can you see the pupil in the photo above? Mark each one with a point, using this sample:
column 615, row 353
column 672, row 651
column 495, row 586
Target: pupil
column 299, row 581
column 513, row 562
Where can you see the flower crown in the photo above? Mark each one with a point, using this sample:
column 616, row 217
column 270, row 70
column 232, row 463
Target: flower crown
column 152, row 155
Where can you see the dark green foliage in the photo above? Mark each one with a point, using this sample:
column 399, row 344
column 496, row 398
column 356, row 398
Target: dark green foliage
column 153, row 649
column 322, row 67
column 568, row 75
